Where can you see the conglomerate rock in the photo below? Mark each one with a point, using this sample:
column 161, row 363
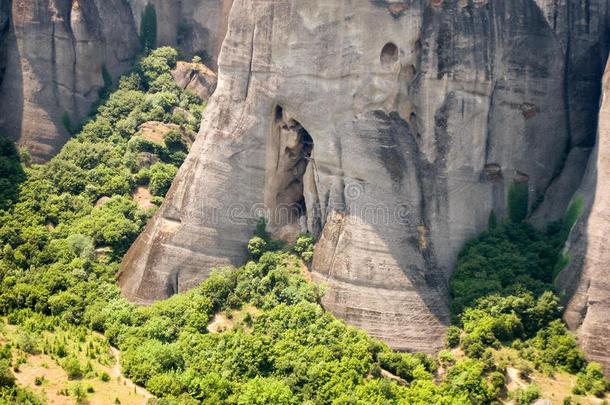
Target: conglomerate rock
column 388, row 129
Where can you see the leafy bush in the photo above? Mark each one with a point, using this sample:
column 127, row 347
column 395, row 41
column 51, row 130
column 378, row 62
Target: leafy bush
column 256, row 247
column 11, row 173
column 161, row 177
column 72, row 367
column 518, row 202
column 304, row 247
column 148, row 28
column 527, row 396
column 453, row 336
column 7, row 379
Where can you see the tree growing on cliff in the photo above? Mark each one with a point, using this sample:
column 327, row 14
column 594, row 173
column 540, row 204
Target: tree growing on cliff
column 518, row 201
column 148, row 28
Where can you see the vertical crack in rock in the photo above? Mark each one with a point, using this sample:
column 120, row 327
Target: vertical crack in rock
column 289, row 153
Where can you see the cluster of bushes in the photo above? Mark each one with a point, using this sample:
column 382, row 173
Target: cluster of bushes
column 502, row 291
column 52, row 226
column 508, row 260
column 11, row 172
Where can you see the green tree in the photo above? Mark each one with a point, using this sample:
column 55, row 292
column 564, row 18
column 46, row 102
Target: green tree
column 7, row 379
column 262, row 391
column 73, row 368
column 492, row 222
column 161, row 177
column 148, row 28
column 518, row 201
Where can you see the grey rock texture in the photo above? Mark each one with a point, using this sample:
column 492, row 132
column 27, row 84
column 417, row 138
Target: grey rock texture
column 586, row 279
column 55, row 51
column 52, row 51
column 421, row 115
column 4, row 26
column 196, row 77
column 192, row 25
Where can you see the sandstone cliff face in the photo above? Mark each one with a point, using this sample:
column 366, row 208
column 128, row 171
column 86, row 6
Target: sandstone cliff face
column 389, row 129
column 586, row 279
column 52, row 51
column 55, row 50
column 193, row 25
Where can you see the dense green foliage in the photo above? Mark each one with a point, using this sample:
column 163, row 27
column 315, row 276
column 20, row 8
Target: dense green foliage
column 61, row 245
column 148, row 28
column 513, row 258
column 503, row 297
column 52, row 221
column 11, row 173
column 518, row 202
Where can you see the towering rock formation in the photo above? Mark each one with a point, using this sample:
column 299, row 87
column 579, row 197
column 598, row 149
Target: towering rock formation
column 55, row 52
column 389, row 129
column 52, row 52
column 586, row 279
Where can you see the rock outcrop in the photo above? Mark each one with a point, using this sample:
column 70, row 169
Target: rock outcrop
column 196, row 77
column 55, row 52
column 52, row 52
column 390, row 145
column 586, row 279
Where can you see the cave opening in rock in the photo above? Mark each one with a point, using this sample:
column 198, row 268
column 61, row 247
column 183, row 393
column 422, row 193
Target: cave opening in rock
column 389, row 54
column 288, row 175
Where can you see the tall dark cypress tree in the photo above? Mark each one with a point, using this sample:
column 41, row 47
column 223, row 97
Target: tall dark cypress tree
column 148, row 28
column 518, row 202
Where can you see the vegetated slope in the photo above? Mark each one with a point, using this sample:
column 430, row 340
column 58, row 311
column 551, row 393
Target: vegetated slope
column 62, row 242
column 56, row 360
column 510, row 317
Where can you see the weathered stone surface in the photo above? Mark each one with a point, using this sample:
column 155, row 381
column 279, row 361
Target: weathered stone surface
column 418, row 130
column 193, row 25
column 55, row 52
column 4, row 26
column 586, row 279
column 558, row 194
column 196, row 77
column 52, row 51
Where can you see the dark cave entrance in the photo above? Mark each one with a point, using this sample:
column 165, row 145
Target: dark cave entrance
column 289, row 176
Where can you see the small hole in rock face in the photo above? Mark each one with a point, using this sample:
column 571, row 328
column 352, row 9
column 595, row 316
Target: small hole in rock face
column 389, row 54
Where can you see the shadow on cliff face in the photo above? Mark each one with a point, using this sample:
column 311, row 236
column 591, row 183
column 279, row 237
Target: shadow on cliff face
column 376, row 248
column 55, row 52
column 11, row 78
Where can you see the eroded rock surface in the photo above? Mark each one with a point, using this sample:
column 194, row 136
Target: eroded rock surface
column 418, row 129
column 586, row 279
column 55, row 51
column 52, row 52
column 196, row 77
column 193, row 25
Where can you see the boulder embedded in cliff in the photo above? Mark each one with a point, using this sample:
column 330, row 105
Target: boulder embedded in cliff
column 196, row 77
